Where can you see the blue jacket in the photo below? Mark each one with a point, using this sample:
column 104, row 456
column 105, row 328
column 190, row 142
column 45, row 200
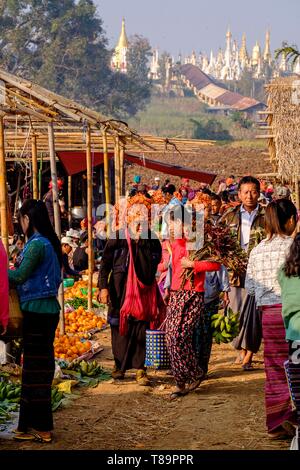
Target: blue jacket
column 45, row 280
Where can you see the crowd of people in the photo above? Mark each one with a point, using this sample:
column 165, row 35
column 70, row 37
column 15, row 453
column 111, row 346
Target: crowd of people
column 142, row 280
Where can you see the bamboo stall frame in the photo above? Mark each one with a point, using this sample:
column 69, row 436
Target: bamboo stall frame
column 282, row 121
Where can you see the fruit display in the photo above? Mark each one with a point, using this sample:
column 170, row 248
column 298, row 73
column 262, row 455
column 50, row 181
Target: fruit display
column 70, row 347
column 80, row 320
column 79, row 290
column 87, row 369
column 158, row 197
column 10, row 392
column 225, row 327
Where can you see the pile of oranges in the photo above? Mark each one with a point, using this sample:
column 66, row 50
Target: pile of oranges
column 75, row 291
column 70, row 347
column 81, row 320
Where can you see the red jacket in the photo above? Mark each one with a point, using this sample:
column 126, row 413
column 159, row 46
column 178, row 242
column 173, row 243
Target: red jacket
column 178, row 252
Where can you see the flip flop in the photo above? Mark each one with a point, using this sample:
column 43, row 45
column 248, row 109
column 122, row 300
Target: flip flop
column 24, row 437
column 247, row 367
column 32, row 436
column 178, row 393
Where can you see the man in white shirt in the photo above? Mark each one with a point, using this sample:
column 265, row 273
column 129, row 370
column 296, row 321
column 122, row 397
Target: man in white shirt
column 247, row 220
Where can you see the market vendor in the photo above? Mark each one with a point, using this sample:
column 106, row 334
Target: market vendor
column 67, row 246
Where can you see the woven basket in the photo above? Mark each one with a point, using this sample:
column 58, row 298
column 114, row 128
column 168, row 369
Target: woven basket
column 156, row 350
column 15, row 322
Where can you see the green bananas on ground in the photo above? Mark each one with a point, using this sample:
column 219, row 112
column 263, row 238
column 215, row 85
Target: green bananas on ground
column 87, row 369
column 225, row 327
column 56, row 398
column 10, row 392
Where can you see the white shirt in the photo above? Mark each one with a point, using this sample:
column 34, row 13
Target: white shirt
column 246, row 223
column 264, row 263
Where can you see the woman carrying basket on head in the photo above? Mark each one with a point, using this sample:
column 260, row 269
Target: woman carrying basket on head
column 127, row 282
column 185, row 311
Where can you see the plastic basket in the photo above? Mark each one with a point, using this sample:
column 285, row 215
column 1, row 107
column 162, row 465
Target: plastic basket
column 69, row 282
column 84, row 290
column 156, row 350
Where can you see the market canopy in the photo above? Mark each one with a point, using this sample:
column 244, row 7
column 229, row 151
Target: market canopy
column 75, row 162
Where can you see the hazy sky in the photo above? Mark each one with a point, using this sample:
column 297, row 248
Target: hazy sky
column 184, row 25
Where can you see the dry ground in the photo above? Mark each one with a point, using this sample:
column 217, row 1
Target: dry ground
column 223, row 160
column 225, row 413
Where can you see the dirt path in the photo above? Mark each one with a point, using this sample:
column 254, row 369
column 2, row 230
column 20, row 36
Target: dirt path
column 226, row 412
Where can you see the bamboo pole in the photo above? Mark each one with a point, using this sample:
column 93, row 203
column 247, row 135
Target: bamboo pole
column 56, row 217
column 122, row 188
column 3, row 189
column 70, row 200
column 34, row 168
column 117, row 170
column 106, row 178
column 40, row 176
column 89, row 214
column 17, row 194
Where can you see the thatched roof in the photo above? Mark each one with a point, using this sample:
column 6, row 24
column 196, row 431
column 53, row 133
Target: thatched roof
column 283, row 125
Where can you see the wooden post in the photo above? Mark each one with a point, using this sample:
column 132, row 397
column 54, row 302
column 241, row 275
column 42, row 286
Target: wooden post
column 122, row 188
column 56, row 216
column 117, row 170
column 106, row 178
column 17, row 194
column 89, row 214
column 40, row 176
column 54, row 180
column 70, row 200
column 34, row 167
column 3, row 189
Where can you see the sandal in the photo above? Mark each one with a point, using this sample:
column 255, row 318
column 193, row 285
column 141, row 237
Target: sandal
column 32, row 436
column 247, row 366
column 23, row 436
column 196, row 383
column 178, row 393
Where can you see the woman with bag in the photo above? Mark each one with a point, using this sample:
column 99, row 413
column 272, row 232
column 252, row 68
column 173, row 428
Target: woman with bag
column 127, row 281
column 185, row 312
column 37, row 277
column 261, row 280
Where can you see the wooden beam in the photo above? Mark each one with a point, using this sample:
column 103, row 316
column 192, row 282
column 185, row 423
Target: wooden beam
column 117, row 170
column 56, row 217
column 106, row 177
column 34, row 167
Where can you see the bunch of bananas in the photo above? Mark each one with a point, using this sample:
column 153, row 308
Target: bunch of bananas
column 10, row 392
column 225, row 327
column 87, row 369
column 56, row 398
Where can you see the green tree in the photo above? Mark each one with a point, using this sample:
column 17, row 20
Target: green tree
column 62, row 46
column 290, row 52
column 162, row 61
